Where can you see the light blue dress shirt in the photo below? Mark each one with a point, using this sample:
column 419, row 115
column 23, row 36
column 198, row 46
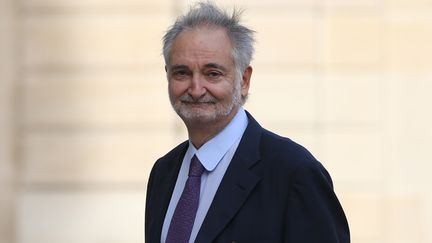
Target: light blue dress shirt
column 215, row 155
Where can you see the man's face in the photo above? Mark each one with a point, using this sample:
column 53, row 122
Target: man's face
column 202, row 78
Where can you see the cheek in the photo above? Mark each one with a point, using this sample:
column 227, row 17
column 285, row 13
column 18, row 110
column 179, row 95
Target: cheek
column 224, row 92
column 176, row 89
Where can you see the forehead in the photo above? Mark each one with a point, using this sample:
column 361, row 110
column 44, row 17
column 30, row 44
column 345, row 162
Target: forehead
column 202, row 44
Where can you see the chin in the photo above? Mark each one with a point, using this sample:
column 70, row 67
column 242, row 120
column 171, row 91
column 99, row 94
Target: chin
column 197, row 116
column 203, row 115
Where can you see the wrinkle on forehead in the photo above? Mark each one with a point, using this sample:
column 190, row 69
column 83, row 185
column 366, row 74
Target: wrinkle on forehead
column 195, row 42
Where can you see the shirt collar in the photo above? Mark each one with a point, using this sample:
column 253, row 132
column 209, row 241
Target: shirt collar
column 212, row 152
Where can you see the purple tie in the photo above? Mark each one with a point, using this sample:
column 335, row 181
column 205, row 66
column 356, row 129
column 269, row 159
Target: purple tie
column 184, row 215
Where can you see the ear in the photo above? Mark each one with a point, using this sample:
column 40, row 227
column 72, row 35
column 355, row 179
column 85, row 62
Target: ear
column 246, row 81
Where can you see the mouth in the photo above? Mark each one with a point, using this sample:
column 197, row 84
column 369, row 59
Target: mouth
column 197, row 103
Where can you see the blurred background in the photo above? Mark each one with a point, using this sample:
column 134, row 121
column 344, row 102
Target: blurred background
column 84, row 110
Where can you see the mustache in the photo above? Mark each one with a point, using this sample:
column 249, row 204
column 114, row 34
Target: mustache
column 204, row 99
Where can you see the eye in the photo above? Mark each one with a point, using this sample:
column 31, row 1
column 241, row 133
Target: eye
column 214, row 74
column 178, row 74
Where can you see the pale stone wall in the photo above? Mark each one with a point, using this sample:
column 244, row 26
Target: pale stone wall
column 7, row 128
column 94, row 117
column 88, row 112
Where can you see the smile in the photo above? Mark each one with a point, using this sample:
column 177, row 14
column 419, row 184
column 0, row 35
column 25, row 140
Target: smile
column 197, row 103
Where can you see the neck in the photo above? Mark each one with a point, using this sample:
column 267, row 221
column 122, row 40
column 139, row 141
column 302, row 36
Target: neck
column 200, row 133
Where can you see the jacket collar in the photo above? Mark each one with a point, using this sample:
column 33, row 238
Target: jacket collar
column 236, row 185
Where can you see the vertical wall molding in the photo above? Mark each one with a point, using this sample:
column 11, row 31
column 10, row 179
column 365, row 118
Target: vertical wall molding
column 7, row 77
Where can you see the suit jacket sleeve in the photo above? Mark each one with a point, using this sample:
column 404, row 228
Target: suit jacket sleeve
column 314, row 213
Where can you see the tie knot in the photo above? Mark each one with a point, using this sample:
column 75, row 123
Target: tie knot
column 196, row 168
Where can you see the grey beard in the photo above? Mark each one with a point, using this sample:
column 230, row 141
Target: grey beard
column 187, row 115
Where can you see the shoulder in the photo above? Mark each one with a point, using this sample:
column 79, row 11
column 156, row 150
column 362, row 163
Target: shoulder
column 172, row 157
column 278, row 154
column 283, row 148
column 286, row 156
column 179, row 149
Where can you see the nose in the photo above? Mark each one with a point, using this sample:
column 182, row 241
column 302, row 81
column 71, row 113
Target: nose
column 197, row 87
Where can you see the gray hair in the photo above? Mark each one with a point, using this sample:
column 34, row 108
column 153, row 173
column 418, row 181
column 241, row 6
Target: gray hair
column 206, row 13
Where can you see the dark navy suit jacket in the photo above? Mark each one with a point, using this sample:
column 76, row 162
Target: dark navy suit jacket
column 273, row 191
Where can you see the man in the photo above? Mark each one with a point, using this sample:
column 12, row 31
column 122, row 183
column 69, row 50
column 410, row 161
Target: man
column 232, row 181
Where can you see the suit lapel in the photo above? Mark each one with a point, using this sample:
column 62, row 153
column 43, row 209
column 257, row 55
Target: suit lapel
column 235, row 186
column 165, row 189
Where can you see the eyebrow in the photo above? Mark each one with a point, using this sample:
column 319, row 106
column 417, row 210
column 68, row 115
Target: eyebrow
column 215, row 65
column 176, row 67
column 208, row 65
